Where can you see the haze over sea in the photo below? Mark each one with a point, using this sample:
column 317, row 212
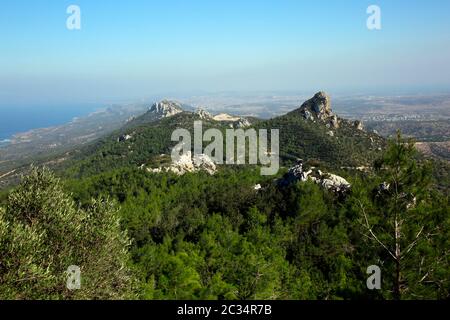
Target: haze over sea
column 16, row 119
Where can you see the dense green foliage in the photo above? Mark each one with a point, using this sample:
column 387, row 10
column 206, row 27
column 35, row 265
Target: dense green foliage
column 215, row 237
column 299, row 138
column 200, row 236
column 408, row 224
column 43, row 233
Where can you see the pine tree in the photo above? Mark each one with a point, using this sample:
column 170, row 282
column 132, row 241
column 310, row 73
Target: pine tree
column 400, row 218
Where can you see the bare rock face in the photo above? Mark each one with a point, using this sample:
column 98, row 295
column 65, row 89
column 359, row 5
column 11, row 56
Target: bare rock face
column 243, row 123
column 319, row 106
column 188, row 163
column 334, row 182
column 329, row 181
column 166, row 108
column 359, row 125
column 294, row 174
column 225, row 117
column 234, row 121
column 205, row 163
column 334, row 122
column 124, row 137
column 307, row 115
column 203, row 114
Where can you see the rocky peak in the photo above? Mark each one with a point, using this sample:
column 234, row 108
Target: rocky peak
column 318, row 106
column 203, row 114
column 166, row 108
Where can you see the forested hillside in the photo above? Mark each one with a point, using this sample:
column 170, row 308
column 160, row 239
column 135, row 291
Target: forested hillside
column 312, row 138
column 233, row 234
column 215, row 237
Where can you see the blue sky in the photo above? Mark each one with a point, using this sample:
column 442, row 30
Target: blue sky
column 129, row 50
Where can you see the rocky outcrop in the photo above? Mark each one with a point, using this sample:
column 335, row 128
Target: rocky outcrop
column 226, row 117
column 318, row 107
column 165, row 108
column 203, row 114
column 333, row 182
column 243, row 123
column 188, row 163
column 334, row 122
column 294, row 174
column 204, row 162
column 328, row 181
column 359, row 125
column 124, row 137
column 307, row 115
column 235, row 121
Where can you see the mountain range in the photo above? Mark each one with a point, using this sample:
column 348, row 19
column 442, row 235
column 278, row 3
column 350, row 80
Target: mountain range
column 194, row 229
column 312, row 132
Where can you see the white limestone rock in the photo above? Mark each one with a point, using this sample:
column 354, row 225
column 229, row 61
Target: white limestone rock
column 203, row 114
column 328, row 181
column 165, row 108
column 318, row 106
column 188, row 163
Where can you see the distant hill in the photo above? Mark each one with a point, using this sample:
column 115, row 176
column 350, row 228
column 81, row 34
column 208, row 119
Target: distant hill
column 158, row 111
column 432, row 136
column 312, row 132
column 422, row 131
column 44, row 142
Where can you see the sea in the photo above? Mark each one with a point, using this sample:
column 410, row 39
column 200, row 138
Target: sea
column 18, row 119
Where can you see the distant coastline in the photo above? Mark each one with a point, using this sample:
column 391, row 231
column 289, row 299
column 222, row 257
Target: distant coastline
column 4, row 142
column 16, row 120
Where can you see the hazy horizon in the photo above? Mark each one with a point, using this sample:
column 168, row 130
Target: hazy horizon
column 141, row 52
column 135, row 50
